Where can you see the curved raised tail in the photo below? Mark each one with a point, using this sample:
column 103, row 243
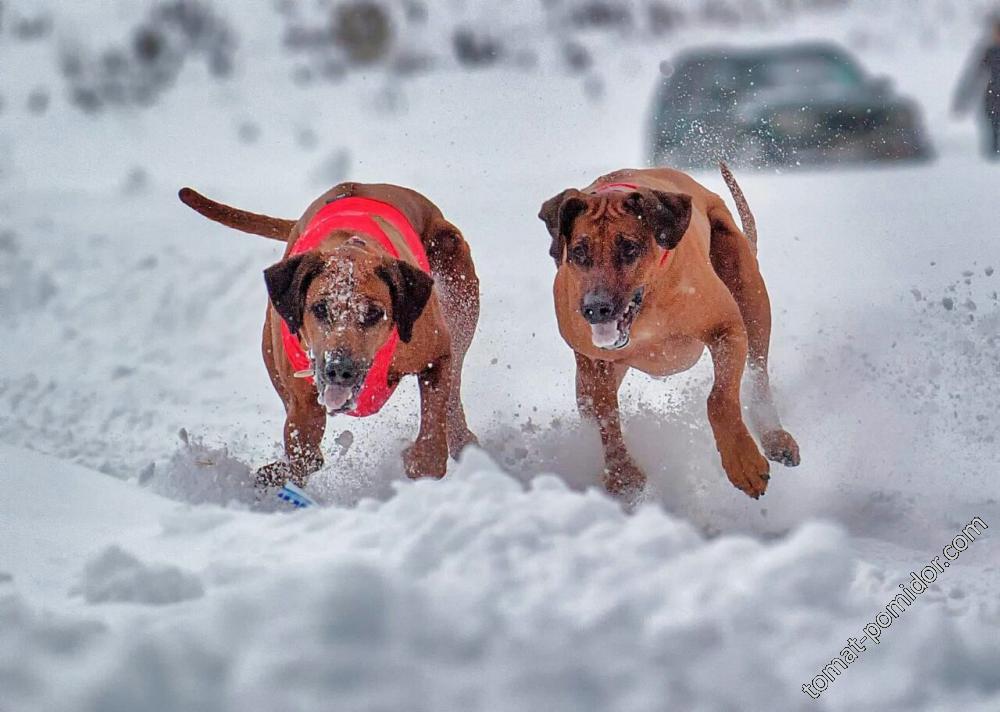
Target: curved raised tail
column 255, row 224
column 746, row 217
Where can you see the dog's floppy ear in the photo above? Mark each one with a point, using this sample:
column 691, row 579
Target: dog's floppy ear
column 667, row 214
column 287, row 282
column 409, row 289
column 558, row 214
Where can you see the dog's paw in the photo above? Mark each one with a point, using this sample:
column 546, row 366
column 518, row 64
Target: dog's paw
column 780, row 446
column 274, row 474
column 426, row 458
column 745, row 467
column 624, row 479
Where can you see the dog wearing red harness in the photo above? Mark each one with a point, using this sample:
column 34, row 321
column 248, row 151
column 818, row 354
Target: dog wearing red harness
column 651, row 269
column 374, row 285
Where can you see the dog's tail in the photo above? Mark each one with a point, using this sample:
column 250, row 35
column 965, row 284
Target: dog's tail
column 264, row 225
column 746, row 217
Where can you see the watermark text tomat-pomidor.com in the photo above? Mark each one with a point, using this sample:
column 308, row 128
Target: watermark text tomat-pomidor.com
column 917, row 584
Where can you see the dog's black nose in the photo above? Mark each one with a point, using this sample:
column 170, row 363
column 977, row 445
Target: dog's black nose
column 597, row 307
column 341, row 369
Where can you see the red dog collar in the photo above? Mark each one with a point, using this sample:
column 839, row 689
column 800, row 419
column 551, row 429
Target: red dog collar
column 616, row 187
column 622, row 187
column 356, row 215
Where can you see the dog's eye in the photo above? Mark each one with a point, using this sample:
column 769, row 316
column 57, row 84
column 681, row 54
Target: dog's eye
column 372, row 316
column 579, row 253
column 321, row 311
column 629, row 251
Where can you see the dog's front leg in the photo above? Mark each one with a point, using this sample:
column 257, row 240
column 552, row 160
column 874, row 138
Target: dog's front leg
column 744, row 465
column 304, row 428
column 597, row 385
column 428, row 456
column 305, row 422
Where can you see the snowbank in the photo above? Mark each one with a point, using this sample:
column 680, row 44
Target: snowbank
column 470, row 593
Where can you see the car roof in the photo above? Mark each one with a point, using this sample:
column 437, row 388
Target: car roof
column 757, row 54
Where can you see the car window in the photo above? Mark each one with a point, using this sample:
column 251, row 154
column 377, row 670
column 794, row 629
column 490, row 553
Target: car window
column 701, row 84
column 804, row 70
column 712, row 84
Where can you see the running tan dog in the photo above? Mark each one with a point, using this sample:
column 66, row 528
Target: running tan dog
column 375, row 284
column 651, row 270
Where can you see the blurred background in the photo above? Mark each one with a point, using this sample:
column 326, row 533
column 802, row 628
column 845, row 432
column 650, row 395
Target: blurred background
column 760, row 83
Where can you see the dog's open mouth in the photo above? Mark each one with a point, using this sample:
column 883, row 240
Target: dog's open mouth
column 614, row 335
column 338, row 399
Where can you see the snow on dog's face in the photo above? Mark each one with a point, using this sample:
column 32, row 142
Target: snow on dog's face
column 343, row 304
column 609, row 244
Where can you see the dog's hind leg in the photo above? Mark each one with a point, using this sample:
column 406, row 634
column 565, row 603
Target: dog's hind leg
column 455, row 274
column 734, row 262
column 428, row 455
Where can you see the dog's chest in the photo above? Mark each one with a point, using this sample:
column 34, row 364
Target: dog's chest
column 664, row 356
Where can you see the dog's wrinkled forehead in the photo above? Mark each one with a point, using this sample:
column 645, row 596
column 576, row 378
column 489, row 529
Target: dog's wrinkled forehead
column 662, row 214
column 339, row 280
column 607, row 214
column 343, row 289
column 607, row 206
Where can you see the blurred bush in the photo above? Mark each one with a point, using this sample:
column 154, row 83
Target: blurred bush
column 327, row 40
column 601, row 13
column 27, row 28
column 136, row 74
column 475, row 49
column 364, row 30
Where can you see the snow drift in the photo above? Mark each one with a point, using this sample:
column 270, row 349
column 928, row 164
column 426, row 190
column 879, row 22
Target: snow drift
column 470, row 593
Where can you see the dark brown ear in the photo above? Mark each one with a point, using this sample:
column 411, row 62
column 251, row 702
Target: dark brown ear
column 558, row 214
column 667, row 214
column 409, row 289
column 287, row 282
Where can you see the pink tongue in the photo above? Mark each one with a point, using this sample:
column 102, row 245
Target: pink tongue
column 334, row 397
column 604, row 335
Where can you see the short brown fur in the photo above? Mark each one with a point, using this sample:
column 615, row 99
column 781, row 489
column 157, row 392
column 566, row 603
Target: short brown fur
column 709, row 293
column 435, row 334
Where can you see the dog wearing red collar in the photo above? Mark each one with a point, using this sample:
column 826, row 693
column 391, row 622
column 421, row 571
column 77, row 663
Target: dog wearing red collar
column 651, row 269
column 374, row 285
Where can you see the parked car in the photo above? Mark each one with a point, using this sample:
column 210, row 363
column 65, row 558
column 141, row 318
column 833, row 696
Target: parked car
column 803, row 103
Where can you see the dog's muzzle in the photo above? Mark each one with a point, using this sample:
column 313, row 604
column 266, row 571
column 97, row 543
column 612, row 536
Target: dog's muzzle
column 338, row 381
column 612, row 332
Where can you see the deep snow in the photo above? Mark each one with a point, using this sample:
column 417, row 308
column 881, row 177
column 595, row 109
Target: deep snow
column 127, row 320
column 470, row 593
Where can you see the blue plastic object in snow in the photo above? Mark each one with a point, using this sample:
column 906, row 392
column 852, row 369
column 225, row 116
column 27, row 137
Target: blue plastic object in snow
column 294, row 495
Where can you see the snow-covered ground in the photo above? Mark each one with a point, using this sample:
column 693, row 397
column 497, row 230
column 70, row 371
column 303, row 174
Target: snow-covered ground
column 131, row 348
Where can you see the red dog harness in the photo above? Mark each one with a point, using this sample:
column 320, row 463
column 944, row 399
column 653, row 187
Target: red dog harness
column 357, row 215
column 623, row 187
